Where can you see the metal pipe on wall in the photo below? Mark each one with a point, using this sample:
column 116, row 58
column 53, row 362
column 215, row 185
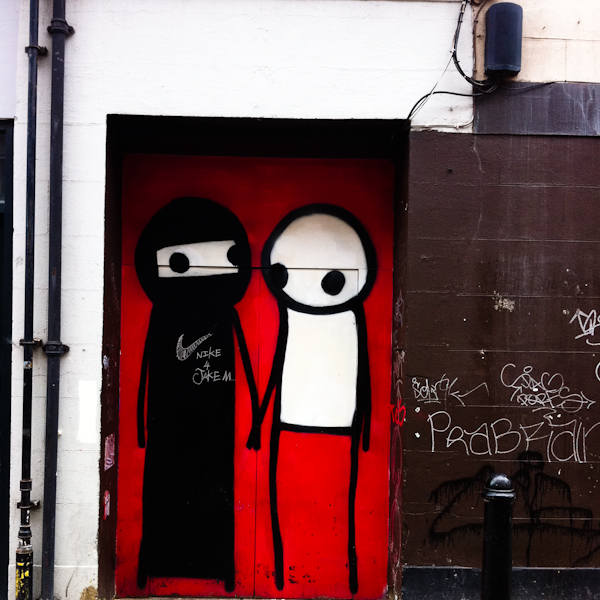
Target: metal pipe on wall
column 24, row 560
column 54, row 348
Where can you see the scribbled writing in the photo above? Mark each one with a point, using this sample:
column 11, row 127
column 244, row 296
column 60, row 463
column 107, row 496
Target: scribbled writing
column 398, row 374
column 426, row 391
column 210, row 353
column 399, row 310
column 588, row 322
column 205, row 374
column 202, row 375
column 398, row 369
column 545, row 392
column 398, row 412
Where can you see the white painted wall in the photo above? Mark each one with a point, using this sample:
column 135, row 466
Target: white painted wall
column 234, row 58
column 9, row 19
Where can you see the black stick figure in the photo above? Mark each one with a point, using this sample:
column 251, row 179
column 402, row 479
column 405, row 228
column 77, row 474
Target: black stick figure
column 193, row 262
column 320, row 264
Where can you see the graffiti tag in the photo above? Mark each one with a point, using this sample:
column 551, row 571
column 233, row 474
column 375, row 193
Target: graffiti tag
column 546, row 392
column 426, row 391
column 588, row 322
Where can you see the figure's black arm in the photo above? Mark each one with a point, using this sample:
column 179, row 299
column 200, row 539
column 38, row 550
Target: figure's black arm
column 363, row 385
column 239, row 332
column 276, row 369
column 141, row 423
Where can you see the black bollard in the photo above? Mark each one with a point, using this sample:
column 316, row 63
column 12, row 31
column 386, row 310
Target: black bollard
column 499, row 497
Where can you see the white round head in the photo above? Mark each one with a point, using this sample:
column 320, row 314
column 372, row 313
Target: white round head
column 319, row 260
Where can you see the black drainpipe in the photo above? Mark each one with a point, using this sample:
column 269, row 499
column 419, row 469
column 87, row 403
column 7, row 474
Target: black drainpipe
column 54, row 348
column 24, row 562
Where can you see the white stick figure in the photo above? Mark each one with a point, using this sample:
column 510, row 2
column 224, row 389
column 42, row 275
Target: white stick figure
column 320, row 264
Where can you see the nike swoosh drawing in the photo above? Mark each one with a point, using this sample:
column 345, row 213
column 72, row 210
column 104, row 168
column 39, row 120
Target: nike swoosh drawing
column 185, row 353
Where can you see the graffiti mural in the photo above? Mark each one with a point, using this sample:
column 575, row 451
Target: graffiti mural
column 193, row 262
column 327, row 390
column 255, row 371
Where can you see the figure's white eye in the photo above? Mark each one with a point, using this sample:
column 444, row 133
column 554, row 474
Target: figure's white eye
column 198, row 259
column 322, row 287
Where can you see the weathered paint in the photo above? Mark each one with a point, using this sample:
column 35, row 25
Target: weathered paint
column 24, row 574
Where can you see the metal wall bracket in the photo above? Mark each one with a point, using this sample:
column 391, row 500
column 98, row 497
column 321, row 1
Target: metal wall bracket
column 42, row 50
column 55, row 348
column 34, row 342
column 60, row 26
column 35, row 505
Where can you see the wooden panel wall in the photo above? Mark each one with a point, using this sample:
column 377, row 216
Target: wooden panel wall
column 502, row 366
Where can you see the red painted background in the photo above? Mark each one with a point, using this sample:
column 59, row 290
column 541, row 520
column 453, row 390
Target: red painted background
column 312, row 489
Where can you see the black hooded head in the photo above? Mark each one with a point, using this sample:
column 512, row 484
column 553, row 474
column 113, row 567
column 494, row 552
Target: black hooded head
column 193, row 252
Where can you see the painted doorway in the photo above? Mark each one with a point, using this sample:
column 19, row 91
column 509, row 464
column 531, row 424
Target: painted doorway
column 308, row 245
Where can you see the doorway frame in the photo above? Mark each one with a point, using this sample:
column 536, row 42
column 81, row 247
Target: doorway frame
column 216, row 136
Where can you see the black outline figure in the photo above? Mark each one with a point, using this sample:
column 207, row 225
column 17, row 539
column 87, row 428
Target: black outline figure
column 189, row 367
column 276, row 278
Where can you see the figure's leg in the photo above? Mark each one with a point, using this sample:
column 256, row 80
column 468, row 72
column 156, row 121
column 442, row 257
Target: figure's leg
column 142, row 577
column 147, row 511
column 229, row 530
column 277, row 542
column 351, row 513
column 230, row 568
column 230, row 581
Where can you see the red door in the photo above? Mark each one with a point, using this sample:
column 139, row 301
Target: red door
column 263, row 274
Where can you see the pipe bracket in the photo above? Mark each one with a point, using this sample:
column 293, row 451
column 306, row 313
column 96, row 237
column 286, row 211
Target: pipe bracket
column 41, row 50
column 55, row 348
column 31, row 506
column 60, row 26
column 33, row 342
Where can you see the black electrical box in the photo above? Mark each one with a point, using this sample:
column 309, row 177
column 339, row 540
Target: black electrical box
column 504, row 32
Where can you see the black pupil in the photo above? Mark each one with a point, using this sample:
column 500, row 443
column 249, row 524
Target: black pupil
column 233, row 255
column 333, row 283
column 179, row 262
column 279, row 275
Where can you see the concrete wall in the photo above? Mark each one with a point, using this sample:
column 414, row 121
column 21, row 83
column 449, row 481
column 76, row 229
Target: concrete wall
column 265, row 58
column 561, row 40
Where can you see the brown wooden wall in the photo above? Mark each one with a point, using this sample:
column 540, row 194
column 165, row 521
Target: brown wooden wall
column 501, row 368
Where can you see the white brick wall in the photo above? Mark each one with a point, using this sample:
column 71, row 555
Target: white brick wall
column 561, row 40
